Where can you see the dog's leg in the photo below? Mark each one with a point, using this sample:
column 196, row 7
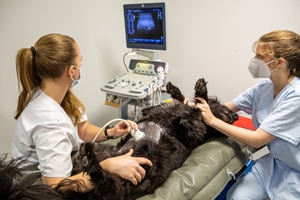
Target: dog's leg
column 174, row 92
column 201, row 90
column 106, row 185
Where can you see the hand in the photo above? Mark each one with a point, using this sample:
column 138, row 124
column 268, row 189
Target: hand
column 175, row 100
column 121, row 128
column 127, row 167
column 207, row 115
column 186, row 101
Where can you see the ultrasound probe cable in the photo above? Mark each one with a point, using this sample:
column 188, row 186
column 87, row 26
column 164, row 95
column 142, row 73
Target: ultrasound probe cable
column 156, row 93
column 127, row 54
column 136, row 134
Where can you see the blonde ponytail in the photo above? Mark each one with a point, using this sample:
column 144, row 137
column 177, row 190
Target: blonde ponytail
column 51, row 55
column 26, row 78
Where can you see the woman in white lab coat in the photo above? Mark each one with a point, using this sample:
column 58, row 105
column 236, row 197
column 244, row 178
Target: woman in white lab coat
column 51, row 121
column 274, row 104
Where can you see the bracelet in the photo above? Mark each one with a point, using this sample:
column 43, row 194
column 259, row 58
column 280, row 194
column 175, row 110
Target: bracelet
column 106, row 135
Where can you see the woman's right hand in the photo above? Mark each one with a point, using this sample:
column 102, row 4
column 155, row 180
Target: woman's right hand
column 207, row 115
column 127, row 167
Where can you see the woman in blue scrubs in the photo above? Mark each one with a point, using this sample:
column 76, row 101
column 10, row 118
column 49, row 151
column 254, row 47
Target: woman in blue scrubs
column 274, row 104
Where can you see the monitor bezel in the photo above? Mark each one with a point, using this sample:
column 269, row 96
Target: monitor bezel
column 144, row 45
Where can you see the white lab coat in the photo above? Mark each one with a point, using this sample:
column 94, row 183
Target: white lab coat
column 46, row 132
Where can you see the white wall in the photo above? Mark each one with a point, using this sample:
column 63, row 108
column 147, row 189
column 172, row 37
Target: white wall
column 206, row 38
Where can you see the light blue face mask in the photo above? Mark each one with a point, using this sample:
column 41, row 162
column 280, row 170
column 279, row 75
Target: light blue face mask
column 75, row 82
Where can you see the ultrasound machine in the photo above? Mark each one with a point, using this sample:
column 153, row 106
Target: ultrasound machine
column 212, row 168
column 145, row 28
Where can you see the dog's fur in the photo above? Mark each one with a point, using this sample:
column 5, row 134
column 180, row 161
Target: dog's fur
column 12, row 187
column 171, row 130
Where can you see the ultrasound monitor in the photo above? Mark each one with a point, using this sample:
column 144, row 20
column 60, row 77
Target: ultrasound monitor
column 145, row 26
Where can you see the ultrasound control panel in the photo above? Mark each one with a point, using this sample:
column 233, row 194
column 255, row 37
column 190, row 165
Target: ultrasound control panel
column 138, row 83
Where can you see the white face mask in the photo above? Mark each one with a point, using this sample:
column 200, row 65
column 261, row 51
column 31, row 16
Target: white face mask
column 259, row 69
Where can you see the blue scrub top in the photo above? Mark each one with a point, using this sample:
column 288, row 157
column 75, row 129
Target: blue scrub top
column 279, row 171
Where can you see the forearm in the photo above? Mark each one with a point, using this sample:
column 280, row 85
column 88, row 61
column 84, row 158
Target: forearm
column 84, row 184
column 230, row 105
column 91, row 133
column 256, row 138
column 87, row 132
column 242, row 135
column 87, row 186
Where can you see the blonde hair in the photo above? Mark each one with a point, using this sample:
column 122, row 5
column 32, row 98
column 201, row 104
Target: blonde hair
column 49, row 58
column 282, row 44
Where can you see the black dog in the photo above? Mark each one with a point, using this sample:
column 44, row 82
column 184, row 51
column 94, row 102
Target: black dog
column 171, row 130
column 12, row 187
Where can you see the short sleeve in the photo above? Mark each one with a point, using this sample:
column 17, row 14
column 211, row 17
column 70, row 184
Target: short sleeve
column 284, row 120
column 245, row 101
column 83, row 118
column 53, row 143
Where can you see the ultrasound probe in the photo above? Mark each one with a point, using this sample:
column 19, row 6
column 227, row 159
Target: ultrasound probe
column 136, row 134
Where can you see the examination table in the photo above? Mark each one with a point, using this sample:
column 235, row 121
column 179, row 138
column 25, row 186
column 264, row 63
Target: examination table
column 206, row 172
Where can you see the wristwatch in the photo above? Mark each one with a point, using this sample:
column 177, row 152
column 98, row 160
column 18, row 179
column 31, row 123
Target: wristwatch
column 106, row 135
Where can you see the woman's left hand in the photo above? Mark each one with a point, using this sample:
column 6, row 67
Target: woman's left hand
column 121, row 128
column 206, row 111
column 127, row 167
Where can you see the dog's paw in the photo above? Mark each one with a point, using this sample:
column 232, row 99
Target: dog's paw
column 200, row 89
column 174, row 92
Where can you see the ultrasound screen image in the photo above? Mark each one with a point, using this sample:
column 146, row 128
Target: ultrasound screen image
column 145, row 26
